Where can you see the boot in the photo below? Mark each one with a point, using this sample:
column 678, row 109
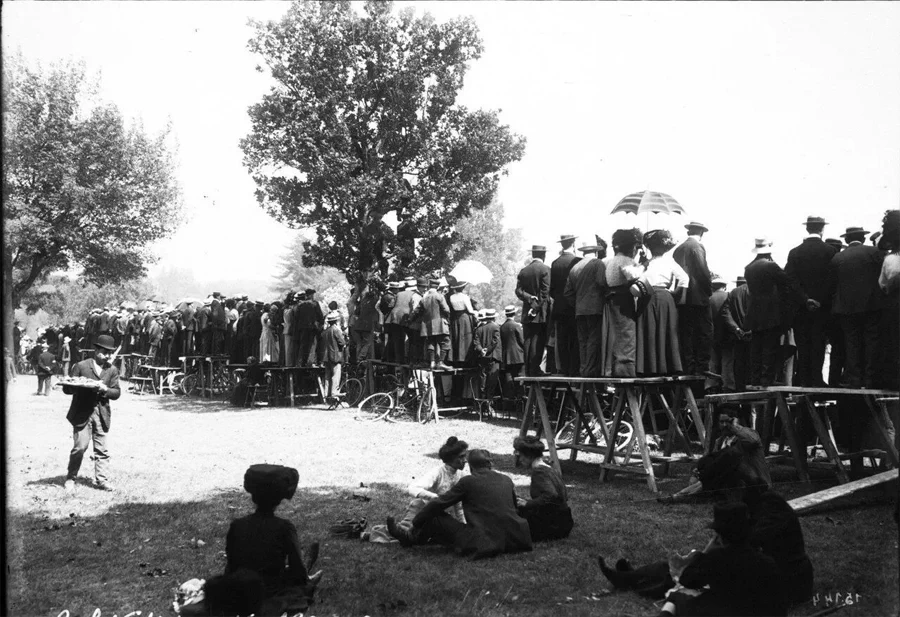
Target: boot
column 441, row 365
column 430, row 356
column 406, row 537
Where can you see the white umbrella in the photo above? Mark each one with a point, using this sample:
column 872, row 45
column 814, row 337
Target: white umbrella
column 472, row 272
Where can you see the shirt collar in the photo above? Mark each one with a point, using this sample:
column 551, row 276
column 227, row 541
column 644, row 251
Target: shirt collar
column 816, row 236
column 854, row 243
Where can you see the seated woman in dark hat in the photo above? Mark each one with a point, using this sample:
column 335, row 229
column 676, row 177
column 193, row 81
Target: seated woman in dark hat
column 547, row 512
column 265, row 573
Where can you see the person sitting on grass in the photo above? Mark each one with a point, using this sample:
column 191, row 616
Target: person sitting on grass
column 435, row 482
column 492, row 524
column 736, row 454
column 547, row 512
column 265, row 573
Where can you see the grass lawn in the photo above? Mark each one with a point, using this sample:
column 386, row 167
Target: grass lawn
column 178, row 467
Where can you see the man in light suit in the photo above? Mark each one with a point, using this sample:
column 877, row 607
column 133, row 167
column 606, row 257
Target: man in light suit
column 695, row 326
column 398, row 318
column 583, row 291
column 808, row 265
column 533, row 289
column 433, row 314
column 857, row 299
column 563, row 310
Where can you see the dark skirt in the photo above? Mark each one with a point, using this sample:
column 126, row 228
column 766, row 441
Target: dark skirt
column 658, row 352
column 619, row 333
column 461, row 336
column 549, row 521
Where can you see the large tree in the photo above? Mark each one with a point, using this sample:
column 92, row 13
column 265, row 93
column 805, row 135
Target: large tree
column 80, row 188
column 363, row 121
column 292, row 275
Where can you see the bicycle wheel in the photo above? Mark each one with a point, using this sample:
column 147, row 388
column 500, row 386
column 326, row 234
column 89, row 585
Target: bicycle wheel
column 375, row 407
column 190, row 385
column 353, row 391
column 176, row 381
column 425, row 409
column 624, row 437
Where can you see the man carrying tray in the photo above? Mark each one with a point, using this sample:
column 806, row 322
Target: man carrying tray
column 93, row 384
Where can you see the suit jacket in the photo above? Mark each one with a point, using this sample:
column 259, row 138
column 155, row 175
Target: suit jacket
column 333, row 340
column 853, row 280
column 400, row 313
column 85, row 401
column 583, row 287
column 512, row 342
column 307, row 316
column 559, row 274
column 487, row 342
column 691, row 256
column 103, row 324
column 492, row 524
column 414, row 321
column 154, row 334
column 188, row 322
column 217, row 315
column 368, row 319
column 774, row 298
column 716, row 302
column 734, row 313
column 203, row 318
column 534, row 280
column 387, row 303
column 434, row 313
column 808, row 265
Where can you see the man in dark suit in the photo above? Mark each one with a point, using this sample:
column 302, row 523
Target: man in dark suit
column 103, row 323
column 774, row 299
column 204, row 327
column 533, row 289
column 218, row 322
column 568, row 362
column 857, row 299
column 583, row 291
column 512, row 355
column 807, row 265
column 735, row 338
column 398, row 318
column 90, row 413
column 489, row 353
column 386, row 306
column 433, row 313
column 695, row 327
column 308, row 320
column 416, row 350
column 493, row 526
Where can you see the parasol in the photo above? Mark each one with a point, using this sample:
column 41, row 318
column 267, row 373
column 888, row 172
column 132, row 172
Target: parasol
column 184, row 302
column 648, row 201
column 471, row 271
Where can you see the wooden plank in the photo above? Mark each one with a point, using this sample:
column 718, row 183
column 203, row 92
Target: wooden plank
column 528, row 415
column 740, row 397
column 882, row 421
column 841, row 391
column 635, row 468
column 548, row 432
column 618, row 407
column 597, row 380
column 637, row 418
column 825, row 440
column 807, row 502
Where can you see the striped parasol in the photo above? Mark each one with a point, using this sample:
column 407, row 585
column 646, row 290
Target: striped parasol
column 648, row 201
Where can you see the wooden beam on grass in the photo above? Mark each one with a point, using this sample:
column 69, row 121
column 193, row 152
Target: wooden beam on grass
column 802, row 504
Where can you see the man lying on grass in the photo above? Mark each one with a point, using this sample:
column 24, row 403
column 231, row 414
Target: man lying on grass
column 489, row 502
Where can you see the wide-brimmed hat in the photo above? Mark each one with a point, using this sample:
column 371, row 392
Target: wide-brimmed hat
column 696, row 225
column 763, row 245
column 740, row 280
column 566, row 238
column 718, row 280
column 851, row 231
column 731, row 520
column 538, row 248
column 395, row 285
column 489, row 314
column 458, row 284
column 106, row 342
column 510, row 310
column 589, row 248
column 815, row 220
column 275, row 480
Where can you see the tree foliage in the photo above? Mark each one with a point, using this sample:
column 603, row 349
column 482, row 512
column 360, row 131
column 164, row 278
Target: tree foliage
column 80, row 188
column 362, row 121
column 293, row 275
column 67, row 300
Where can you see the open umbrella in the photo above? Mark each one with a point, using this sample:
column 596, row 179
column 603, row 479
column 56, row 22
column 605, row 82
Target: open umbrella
column 184, row 302
column 648, row 201
column 471, row 271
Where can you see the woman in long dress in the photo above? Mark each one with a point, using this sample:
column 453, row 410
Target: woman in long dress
column 658, row 352
column 268, row 344
column 547, row 512
column 462, row 317
column 619, row 328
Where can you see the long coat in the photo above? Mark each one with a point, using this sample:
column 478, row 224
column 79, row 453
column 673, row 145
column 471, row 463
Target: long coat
column 435, row 314
column 774, row 298
column 583, row 287
column 86, row 400
column 534, row 280
column 400, row 313
column 853, row 278
column 512, row 342
column 808, row 265
column 691, row 255
column 492, row 524
column 487, row 342
column 559, row 273
column 333, row 341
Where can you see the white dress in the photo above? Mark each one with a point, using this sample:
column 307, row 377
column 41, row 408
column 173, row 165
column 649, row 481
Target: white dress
column 268, row 344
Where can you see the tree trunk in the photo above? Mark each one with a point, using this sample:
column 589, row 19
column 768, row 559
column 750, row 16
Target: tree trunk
column 9, row 305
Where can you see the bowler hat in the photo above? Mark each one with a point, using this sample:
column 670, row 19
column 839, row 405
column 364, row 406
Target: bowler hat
column 731, row 521
column 696, row 225
column 538, row 248
column 566, row 238
column 740, row 280
column 815, row 220
column 763, row 246
column 275, row 480
column 854, row 231
column 105, row 341
column 310, row 291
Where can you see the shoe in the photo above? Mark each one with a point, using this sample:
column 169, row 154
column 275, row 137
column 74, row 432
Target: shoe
column 69, row 485
column 666, row 499
column 613, row 576
column 440, row 366
column 404, row 536
column 623, row 565
column 104, row 486
column 312, row 554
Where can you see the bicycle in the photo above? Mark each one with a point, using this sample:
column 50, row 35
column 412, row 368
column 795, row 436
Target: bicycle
column 414, row 401
column 624, row 439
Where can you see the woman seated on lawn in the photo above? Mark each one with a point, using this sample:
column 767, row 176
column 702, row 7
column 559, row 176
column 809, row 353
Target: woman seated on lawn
column 435, row 482
column 265, row 573
column 547, row 512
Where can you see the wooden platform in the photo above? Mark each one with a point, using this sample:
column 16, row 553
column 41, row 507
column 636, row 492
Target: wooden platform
column 808, row 502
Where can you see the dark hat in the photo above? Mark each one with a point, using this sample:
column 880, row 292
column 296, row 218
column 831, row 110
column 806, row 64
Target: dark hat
column 740, row 280
column 217, row 294
column 851, row 231
column 458, row 284
column 538, row 248
column 815, row 220
column 421, row 282
column 510, row 310
column 731, row 521
column 310, row 292
column 696, row 225
column 105, row 341
column 274, row 480
column 530, row 446
column 244, row 296
column 434, row 282
column 566, row 238
column 480, row 459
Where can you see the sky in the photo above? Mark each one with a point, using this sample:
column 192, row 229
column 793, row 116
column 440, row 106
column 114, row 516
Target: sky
column 752, row 115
